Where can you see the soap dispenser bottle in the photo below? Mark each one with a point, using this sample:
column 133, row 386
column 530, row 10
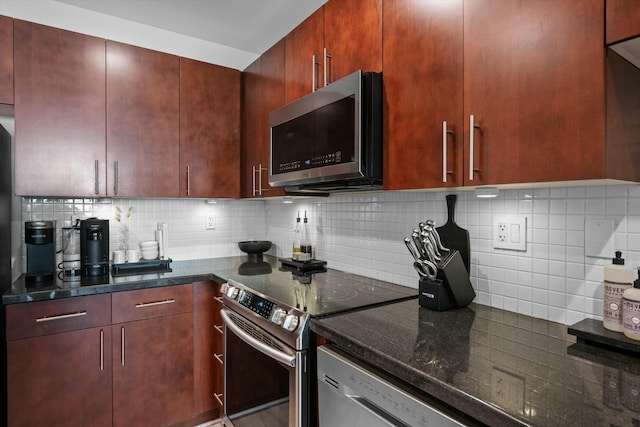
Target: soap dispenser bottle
column 617, row 279
column 631, row 311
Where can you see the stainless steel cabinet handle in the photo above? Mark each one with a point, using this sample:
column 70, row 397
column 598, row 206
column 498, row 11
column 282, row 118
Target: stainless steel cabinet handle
column 327, row 57
column 115, row 178
column 150, row 304
column 260, row 179
column 218, row 397
column 61, row 316
column 313, row 73
column 101, row 350
column 188, row 181
column 97, row 179
column 122, row 346
column 219, row 299
column 253, row 170
column 472, row 128
column 219, row 358
column 445, row 132
column 218, row 328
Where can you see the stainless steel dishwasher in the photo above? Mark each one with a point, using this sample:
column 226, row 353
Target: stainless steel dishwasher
column 350, row 395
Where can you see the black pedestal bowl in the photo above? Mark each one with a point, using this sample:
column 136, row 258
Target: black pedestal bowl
column 255, row 248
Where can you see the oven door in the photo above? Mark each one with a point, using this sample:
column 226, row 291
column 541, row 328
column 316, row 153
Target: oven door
column 265, row 381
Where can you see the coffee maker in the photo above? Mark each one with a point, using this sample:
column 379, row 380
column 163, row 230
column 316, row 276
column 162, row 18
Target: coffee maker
column 39, row 237
column 94, row 247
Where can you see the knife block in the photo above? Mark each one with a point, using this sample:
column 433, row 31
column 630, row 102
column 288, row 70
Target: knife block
column 450, row 289
column 435, row 294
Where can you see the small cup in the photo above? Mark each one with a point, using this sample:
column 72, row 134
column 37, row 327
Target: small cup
column 118, row 257
column 133, row 255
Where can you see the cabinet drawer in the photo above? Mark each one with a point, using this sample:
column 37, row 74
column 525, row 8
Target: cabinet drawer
column 51, row 317
column 155, row 302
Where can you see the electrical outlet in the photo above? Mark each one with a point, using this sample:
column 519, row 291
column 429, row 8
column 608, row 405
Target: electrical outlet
column 510, row 232
column 209, row 221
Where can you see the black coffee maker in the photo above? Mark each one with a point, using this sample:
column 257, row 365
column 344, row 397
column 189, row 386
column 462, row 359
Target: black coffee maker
column 94, row 247
column 39, row 237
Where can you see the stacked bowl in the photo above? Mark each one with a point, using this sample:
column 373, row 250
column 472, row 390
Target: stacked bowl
column 149, row 249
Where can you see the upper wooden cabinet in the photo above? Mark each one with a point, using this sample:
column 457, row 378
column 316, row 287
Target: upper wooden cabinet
column 143, row 110
column 59, row 112
column 6, row 60
column 341, row 37
column 623, row 20
column 352, row 37
column 536, row 101
column 423, row 90
column 209, row 130
column 263, row 92
column 304, row 45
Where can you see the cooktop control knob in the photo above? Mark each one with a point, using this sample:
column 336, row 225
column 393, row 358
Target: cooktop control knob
column 241, row 295
column 223, row 288
column 290, row 322
column 278, row 316
column 232, row 292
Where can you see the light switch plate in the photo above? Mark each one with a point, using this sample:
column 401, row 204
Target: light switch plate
column 598, row 238
column 510, row 232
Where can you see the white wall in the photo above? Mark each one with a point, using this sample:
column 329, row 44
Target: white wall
column 362, row 233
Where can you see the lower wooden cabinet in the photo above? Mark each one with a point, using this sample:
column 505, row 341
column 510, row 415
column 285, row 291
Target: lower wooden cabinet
column 143, row 357
column 207, row 326
column 59, row 362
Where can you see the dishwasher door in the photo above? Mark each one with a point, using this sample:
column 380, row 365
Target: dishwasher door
column 350, row 395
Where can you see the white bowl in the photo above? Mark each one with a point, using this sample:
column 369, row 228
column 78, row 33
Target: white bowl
column 149, row 244
column 148, row 256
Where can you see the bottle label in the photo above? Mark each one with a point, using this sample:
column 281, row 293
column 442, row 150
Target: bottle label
column 613, row 301
column 631, row 317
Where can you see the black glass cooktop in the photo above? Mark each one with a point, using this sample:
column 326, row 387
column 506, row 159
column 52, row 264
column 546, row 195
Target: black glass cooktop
column 319, row 293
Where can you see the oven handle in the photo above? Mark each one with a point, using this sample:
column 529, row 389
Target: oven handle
column 273, row 353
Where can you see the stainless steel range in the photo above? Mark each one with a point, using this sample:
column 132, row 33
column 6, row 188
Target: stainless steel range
column 269, row 351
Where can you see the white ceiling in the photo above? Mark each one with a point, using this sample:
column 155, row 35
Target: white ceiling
column 248, row 25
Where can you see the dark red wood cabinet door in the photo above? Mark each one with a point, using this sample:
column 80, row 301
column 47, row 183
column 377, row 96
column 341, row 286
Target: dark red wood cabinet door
column 423, row 88
column 153, row 371
column 272, row 87
column 6, row 60
column 251, row 127
column 207, row 345
column 536, row 99
column 353, row 36
column 303, row 57
column 623, row 20
column 59, row 112
column 61, row 379
column 209, row 130
column 142, row 122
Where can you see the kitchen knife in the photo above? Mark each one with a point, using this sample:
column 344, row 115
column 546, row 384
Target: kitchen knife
column 426, row 234
column 412, row 249
column 431, row 256
column 417, row 240
column 437, row 235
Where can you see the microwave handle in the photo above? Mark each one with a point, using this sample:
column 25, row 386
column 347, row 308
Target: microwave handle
column 258, row 345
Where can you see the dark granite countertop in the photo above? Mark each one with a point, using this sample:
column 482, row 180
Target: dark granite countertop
column 182, row 272
column 502, row 368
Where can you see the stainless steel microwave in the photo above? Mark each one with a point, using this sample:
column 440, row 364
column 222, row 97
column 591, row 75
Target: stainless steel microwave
column 331, row 139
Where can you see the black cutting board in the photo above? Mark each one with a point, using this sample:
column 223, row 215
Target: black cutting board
column 453, row 236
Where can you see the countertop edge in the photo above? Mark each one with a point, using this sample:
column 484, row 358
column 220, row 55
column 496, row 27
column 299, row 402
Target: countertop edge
column 478, row 409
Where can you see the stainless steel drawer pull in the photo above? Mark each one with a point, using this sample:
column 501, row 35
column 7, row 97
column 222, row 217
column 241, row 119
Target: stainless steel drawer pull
column 445, row 133
column 149, row 304
column 188, row 180
column 218, row 397
column 218, row 328
column 61, row 316
column 218, row 358
column 101, row 350
column 219, row 299
column 472, row 128
column 122, row 346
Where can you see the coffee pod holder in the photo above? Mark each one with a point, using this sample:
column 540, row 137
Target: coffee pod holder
column 450, row 289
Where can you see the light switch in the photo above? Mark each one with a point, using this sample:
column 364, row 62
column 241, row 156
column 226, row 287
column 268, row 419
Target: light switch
column 515, row 233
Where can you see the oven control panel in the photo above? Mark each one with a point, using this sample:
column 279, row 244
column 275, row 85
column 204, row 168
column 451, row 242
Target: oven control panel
column 263, row 307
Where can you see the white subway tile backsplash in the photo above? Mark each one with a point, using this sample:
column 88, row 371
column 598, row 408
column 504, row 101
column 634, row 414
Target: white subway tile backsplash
column 362, row 233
